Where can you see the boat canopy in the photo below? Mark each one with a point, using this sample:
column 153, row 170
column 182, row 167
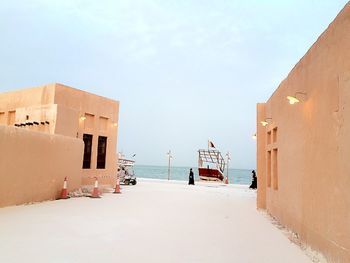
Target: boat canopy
column 211, row 156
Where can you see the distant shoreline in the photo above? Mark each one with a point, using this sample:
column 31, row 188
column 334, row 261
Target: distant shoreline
column 199, row 182
column 180, row 173
column 151, row 165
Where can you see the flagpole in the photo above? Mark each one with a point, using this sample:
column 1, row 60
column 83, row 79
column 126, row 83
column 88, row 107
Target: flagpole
column 169, row 157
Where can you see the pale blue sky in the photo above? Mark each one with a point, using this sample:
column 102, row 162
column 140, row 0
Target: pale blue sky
column 184, row 71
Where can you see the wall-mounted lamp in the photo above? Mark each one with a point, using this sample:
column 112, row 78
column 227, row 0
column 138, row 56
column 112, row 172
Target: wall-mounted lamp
column 115, row 124
column 294, row 99
column 265, row 122
column 83, row 118
column 254, row 136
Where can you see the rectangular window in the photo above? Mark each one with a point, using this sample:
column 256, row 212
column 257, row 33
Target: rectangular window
column 275, row 169
column 101, row 152
column 2, row 118
column 89, row 121
column 87, row 138
column 274, row 135
column 103, row 122
column 268, row 168
column 269, row 137
column 11, row 118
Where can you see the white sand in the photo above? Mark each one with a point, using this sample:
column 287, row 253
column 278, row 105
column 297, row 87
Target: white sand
column 154, row 221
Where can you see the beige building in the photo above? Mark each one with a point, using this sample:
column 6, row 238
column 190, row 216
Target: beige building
column 303, row 150
column 57, row 112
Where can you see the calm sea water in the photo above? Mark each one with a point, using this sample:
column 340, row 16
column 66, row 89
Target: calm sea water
column 236, row 176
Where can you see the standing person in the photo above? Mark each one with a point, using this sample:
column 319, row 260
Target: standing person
column 254, row 181
column 191, row 177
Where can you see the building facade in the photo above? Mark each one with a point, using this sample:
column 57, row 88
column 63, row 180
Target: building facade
column 33, row 165
column 61, row 110
column 303, row 145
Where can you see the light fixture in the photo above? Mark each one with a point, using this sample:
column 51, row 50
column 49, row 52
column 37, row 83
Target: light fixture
column 169, row 154
column 115, row 124
column 294, row 99
column 265, row 122
column 83, row 118
column 254, row 136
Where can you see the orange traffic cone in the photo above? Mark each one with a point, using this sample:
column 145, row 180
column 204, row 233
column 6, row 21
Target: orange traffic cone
column 95, row 193
column 64, row 192
column 226, row 180
column 117, row 187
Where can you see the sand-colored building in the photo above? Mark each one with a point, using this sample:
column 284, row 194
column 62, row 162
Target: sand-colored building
column 303, row 151
column 56, row 112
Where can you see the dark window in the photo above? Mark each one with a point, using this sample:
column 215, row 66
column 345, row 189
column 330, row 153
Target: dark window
column 269, row 168
column 87, row 151
column 275, row 169
column 274, row 135
column 101, row 152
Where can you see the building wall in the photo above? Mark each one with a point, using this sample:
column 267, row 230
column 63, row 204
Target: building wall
column 261, row 158
column 15, row 106
column 27, row 97
column 101, row 119
column 309, row 179
column 66, row 121
column 43, row 117
column 58, row 109
column 33, row 165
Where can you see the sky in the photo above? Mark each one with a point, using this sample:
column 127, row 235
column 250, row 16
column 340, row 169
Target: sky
column 184, row 71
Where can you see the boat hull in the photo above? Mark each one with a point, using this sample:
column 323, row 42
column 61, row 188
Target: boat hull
column 210, row 174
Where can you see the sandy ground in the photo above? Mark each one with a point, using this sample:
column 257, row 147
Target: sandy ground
column 154, row 221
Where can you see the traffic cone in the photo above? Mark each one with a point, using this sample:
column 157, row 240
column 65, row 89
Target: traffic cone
column 226, row 180
column 117, row 187
column 95, row 193
column 64, row 192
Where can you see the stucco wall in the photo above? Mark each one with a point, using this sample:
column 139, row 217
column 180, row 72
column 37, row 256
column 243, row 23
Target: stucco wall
column 313, row 142
column 261, row 158
column 58, row 109
column 33, row 165
column 67, row 121
column 34, row 104
column 27, row 97
column 45, row 115
column 99, row 109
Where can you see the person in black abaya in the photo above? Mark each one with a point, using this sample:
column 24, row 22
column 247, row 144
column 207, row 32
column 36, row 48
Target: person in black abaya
column 254, row 181
column 191, row 177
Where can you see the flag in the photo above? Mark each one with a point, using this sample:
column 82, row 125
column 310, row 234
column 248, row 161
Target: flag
column 211, row 144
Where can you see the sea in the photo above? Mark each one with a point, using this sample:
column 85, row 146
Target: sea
column 236, row 176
